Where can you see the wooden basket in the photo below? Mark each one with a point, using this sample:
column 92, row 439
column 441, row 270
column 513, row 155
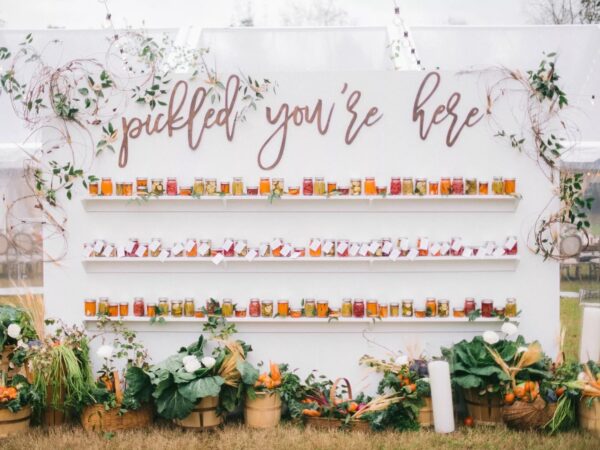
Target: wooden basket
column 203, row 417
column 53, row 417
column 426, row 414
column 528, row 416
column 484, row 409
column 14, row 422
column 326, row 423
column 98, row 418
column 264, row 411
column 589, row 416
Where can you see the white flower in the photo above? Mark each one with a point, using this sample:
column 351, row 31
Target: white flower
column 192, row 364
column 21, row 344
column 582, row 376
column 14, row 331
column 188, row 358
column 208, row 362
column 97, row 87
column 491, row 337
column 105, row 351
column 521, row 350
column 425, row 380
column 147, row 98
column 402, row 360
column 509, row 328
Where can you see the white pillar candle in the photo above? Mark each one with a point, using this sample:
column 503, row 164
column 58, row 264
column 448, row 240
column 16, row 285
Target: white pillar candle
column 441, row 396
column 589, row 348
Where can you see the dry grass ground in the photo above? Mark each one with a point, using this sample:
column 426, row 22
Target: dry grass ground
column 289, row 437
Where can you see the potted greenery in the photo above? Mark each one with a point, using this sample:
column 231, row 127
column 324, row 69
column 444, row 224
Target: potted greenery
column 15, row 398
column 16, row 332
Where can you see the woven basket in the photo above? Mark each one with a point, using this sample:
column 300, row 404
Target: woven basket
column 14, row 422
column 484, row 409
column 326, row 423
column 98, row 418
column 528, row 415
column 589, row 416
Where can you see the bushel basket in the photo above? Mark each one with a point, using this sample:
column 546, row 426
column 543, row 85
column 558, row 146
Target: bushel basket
column 589, row 416
column 528, row 415
column 203, row 417
column 14, row 422
column 484, row 409
column 264, row 411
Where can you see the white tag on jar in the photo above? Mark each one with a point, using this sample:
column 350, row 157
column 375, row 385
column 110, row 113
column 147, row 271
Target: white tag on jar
column 498, row 252
column 364, row 250
column 217, row 259
column 177, row 249
column 164, row 254
column 373, row 247
column 444, row 249
column 286, row 250
column 129, row 246
column 107, row 250
column 404, row 245
column 412, row 253
column 227, row 245
column 510, row 243
column 276, row 243
column 120, row 251
column 203, row 249
column 140, row 251
column 423, row 244
column 240, row 247
column 327, row 246
column 489, row 249
column 467, row 252
column 315, row 244
column 263, row 249
column 387, row 247
column 295, row 255
column 88, row 250
column 189, row 245
column 252, row 253
column 435, row 248
column 98, row 246
column 154, row 245
column 457, row 245
column 354, row 248
column 342, row 246
column 394, row 254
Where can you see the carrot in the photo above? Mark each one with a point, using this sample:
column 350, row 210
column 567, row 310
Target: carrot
column 275, row 372
column 311, row 413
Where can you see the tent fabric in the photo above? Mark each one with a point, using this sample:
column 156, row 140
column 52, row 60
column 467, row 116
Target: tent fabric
column 583, row 157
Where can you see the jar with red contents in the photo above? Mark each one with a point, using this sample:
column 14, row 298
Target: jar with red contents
column 171, row 186
column 510, row 246
column 228, row 247
column 132, row 248
column 254, row 307
column 456, row 247
column 396, row 186
column 469, row 305
column 358, row 308
column 487, row 307
column 307, row 186
column 138, row 307
column 342, row 248
column 458, row 186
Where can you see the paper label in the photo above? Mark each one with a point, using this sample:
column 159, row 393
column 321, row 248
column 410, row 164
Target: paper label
column 394, row 254
column 435, row 248
column 342, row 246
column 189, row 245
column 252, row 253
column 286, row 250
column 481, row 252
column 295, row 255
column 120, row 251
column 404, row 245
column 315, row 244
column 327, row 246
column 457, row 245
column 240, row 246
column 498, row 252
column 467, row 252
column 423, row 244
column 140, row 251
column 510, row 243
column 129, row 246
column 489, row 250
column 364, row 250
column 88, row 250
column 203, row 249
column 154, row 245
column 98, row 246
column 373, row 247
column 263, row 249
column 387, row 247
column 276, row 243
column 177, row 249
column 413, row 253
column 444, row 249
column 107, row 250
column 217, row 259
column 227, row 245
column 164, row 254
column 354, row 248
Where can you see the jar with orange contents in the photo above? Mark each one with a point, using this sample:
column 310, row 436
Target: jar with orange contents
column 141, row 186
column 314, row 247
column 89, row 307
column 124, row 309
column 106, row 187
column 265, row 186
column 383, row 310
column 191, row 248
column 420, row 313
column 322, row 309
column 483, row 188
column 225, row 188
column 445, row 186
column 93, row 188
column 113, row 309
column 240, row 312
column 331, row 187
column 458, row 312
column 370, row 186
column 372, row 308
column 295, row 313
column 151, row 310
column 128, row 189
column 199, row 314
column 434, row 188
column 510, row 186
column 185, row 191
column 283, row 308
column 423, row 246
column 431, row 307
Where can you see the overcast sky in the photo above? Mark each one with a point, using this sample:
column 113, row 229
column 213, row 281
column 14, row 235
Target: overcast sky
column 266, row 13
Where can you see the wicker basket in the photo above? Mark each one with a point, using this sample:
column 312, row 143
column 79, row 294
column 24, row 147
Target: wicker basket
column 484, row 409
column 426, row 414
column 589, row 416
column 203, row 417
column 14, row 422
column 264, row 411
column 528, row 415
column 98, row 418
column 326, row 423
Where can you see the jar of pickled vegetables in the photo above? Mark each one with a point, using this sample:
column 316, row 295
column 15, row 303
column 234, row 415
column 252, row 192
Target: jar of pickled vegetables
column 307, row 186
column 199, row 314
column 310, row 308
column 382, row 190
column 395, row 186
column 210, row 186
column 89, row 307
column 157, row 186
column 384, row 310
column 283, row 308
column 445, row 186
column 407, row 308
column 346, row 307
column 128, row 189
column 328, row 248
column 123, row 309
column 185, row 191
column 487, row 308
column 141, row 186
column 421, row 186
column 227, row 308
column 510, row 309
column 276, row 247
column 458, row 312
column 163, row 306
column 407, row 186
column 238, row 186
column 370, row 186
column 458, row 186
column 470, row 305
column 394, row 309
column 372, row 308
column 443, row 308
column 264, row 249
column 93, row 188
column 189, row 308
column 510, row 186
column 172, row 186
column 420, row 313
column 277, row 187
column 375, row 248
column 240, row 312
column 118, row 188
column 138, row 307
column 510, row 246
column 431, row 307
column 358, row 308
column 295, row 313
column 322, row 309
column 355, row 186
column 265, row 186
column 241, row 247
column 266, row 308
column 342, row 248
column 294, row 190
column 498, row 186
column 315, row 247
column 434, row 188
column 319, row 186
column 151, row 310
column 155, row 247
column 423, row 246
column 113, row 309
column 198, row 187
column 456, row 247
column 228, row 247
column 252, row 190
column 225, row 188
column 471, row 186
column 103, row 306
column 191, row 248
column 204, row 248
column 403, row 245
column 483, row 188
column 177, row 308
column 106, row 187
column 386, row 247
column 331, row 187
column 254, row 307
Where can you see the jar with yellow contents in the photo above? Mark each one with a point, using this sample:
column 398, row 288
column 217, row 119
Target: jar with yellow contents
column 176, row 308
column 266, row 308
column 227, row 308
column 372, row 308
column 189, row 308
column 347, row 307
column 310, row 308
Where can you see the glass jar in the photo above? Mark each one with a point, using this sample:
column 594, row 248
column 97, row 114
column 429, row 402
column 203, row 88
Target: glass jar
column 355, row 186
column 191, row 248
column 211, row 306
column 404, row 246
column 265, row 186
column 238, row 186
column 283, row 308
column 319, row 186
column 264, row 249
column 228, row 248
column 294, row 190
column 254, row 307
column 113, row 310
column 163, row 306
column 431, row 307
column 342, row 248
column 176, row 308
column 420, row 313
column 138, row 307
column 276, row 247
column 277, row 187
column 227, row 308
column 106, row 187
column 252, row 190
column 93, row 188
column 483, row 188
column 510, row 246
column 407, row 186
column 128, row 189
column 372, row 308
column 199, row 314
column 443, row 308
column 225, row 188
column 315, row 247
column 384, row 310
column 103, row 306
column 172, row 186
column 185, row 191
column 445, row 186
column 157, row 186
column 470, row 305
column 241, row 247
column 331, row 187
column 395, row 186
column 328, row 247
column 394, row 309
column 510, row 309
column 155, row 247
column 375, row 248
column 307, row 186
column 240, row 312
column 358, row 308
column 382, row 190
column 123, row 309
column 151, row 310
column 210, row 186
column 421, row 186
column 370, row 186
column 498, row 186
column 434, row 188
column 458, row 312
column 118, row 188
column 141, row 186
column 487, row 307
column 89, row 307
column 499, row 312
column 456, row 247
column 346, row 307
column 204, row 248
column 310, row 308
column 471, row 186
column 334, row 312
column 322, row 309
column 510, row 186
column 407, row 308
column 198, row 187
column 295, row 313
column 266, row 308
column 423, row 246
column 458, row 186
column 189, row 308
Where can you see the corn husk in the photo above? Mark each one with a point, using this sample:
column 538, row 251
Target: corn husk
column 33, row 305
column 228, row 370
column 529, row 357
column 378, row 404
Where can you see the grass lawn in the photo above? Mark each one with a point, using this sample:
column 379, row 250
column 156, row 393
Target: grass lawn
column 290, row 437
